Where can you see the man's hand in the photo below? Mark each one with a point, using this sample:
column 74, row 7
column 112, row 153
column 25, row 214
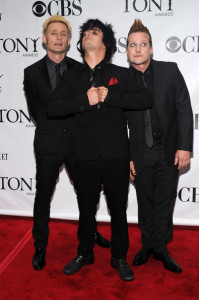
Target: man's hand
column 93, row 96
column 132, row 171
column 102, row 92
column 182, row 158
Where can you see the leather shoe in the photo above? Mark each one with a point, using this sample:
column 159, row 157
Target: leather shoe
column 38, row 260
column 101, row 241
column 169, row 263
column 124, row 270
column 142, row 256
column 77, row 263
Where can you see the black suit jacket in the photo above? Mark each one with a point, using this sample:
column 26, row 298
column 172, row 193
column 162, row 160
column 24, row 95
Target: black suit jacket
column 174, row 111
column 38, row 89
column 100, row 132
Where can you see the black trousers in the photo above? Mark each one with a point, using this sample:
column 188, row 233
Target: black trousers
column 47, row 172
column 114, row 174
column 156, row 188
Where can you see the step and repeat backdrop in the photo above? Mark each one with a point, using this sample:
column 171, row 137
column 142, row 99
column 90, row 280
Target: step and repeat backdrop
column 174, row 25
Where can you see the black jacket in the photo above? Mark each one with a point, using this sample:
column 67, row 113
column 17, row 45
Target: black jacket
column 100, row 132
column 174, row 111
column 38, row 89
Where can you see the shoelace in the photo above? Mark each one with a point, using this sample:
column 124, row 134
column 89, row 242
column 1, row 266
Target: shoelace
column 78, row 258
column 122, row 262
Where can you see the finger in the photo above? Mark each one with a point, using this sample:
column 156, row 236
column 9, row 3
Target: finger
column 176, row 161
column 180, row 164
column 187, row 162
column 132, row 177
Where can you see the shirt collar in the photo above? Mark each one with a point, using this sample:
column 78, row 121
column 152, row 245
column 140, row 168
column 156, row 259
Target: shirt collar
column 52, row 63
column 98, row 66
column 148, row 70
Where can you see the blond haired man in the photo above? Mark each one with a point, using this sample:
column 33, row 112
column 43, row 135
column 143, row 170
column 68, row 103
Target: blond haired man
column 54, row 138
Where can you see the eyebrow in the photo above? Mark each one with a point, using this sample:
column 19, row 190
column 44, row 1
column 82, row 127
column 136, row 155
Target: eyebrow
column 140, row 41
column 93, row 28
column 54, row 30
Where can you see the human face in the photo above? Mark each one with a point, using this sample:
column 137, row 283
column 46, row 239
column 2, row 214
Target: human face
column 93, row 40
column 139, row 50
column 56, row 38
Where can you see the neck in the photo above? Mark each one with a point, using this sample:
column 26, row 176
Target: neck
column 142, row 68
column 93, row 58
column 56, row 57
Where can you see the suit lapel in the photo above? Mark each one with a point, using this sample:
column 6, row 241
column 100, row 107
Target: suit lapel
column 158, row 79
column 44, row 73
column 106, row 76
column 140, row 112
column 82, row 81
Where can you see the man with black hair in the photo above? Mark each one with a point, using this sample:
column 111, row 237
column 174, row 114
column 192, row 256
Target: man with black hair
column 99, row 97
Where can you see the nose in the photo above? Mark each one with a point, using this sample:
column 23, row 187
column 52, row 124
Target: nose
column 137, row 48
column 58, row 36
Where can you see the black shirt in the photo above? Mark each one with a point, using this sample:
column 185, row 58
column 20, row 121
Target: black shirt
column 52, row 75
column 95, row 76
column 149, row 79
column 52, row 70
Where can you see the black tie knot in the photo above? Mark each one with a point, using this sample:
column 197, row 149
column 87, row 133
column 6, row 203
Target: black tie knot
column 144, row 78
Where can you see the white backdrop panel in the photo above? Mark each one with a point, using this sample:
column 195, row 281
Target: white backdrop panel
column 174, row 28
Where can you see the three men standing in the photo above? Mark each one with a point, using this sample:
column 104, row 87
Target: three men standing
column 84, row 125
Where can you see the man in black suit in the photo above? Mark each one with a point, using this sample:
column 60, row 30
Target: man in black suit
column 99, row 95
column 54, row 138
column 160, row 144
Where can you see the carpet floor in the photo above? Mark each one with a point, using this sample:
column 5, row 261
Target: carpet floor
column 18, row 279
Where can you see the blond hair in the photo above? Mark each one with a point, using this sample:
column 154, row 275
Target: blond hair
column 57, row 18
column 139, row 27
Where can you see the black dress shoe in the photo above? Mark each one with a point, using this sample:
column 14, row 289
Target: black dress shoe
column 124, row 270
column 169, row 263
column 38, row 260
column 101, row 241
column 142, row 256
column 77, row 263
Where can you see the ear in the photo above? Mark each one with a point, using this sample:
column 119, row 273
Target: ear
column 151, row 51
column 44, row 39
column 68, row 42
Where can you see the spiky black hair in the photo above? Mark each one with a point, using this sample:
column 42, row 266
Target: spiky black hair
column 108, row 36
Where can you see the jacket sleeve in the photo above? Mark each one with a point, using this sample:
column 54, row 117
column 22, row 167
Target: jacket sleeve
column 64, row 101
column 184, row 113
column 130, row 96
column 28, row 88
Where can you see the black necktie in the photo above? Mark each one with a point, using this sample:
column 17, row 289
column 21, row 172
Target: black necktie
column 95, row 79
column 92, row 77
column 58, row 75
column 147, row 121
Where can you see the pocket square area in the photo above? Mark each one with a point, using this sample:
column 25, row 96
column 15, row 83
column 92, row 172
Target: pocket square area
column 113, row 80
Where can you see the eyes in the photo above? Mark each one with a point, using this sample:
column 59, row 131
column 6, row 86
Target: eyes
column 92, row 31
column 56, row 33
column 142, row 44
column 95, row 32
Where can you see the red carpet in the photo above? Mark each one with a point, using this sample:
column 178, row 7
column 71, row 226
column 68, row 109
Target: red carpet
column 18, row 280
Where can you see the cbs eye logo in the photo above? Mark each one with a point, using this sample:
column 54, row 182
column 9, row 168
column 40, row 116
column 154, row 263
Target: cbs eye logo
column 39, row 8
column 55, row 7
column 173, row 44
